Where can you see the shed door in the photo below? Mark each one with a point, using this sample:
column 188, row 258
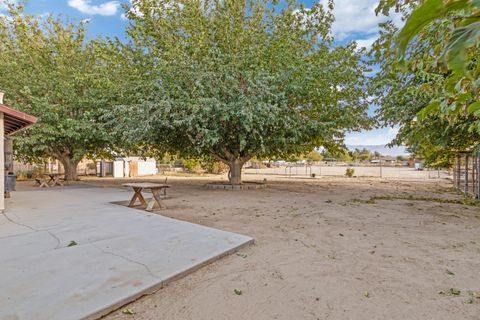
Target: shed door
column 133, row 165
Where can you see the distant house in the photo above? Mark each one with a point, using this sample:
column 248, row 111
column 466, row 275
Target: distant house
column 389, row 160
column 384, row 160
column 414, row 162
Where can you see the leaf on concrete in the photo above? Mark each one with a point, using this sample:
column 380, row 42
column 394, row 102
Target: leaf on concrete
column 72, row 243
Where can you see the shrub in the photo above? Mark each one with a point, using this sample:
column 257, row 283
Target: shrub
column 214, row 167
column 21, row 175
column 192, row 165
column 349, row 172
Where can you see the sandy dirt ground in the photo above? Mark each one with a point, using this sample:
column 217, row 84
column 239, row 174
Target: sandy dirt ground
column 324, row 250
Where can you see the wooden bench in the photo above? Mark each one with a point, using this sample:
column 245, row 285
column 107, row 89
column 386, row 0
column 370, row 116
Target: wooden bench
column 41, row 181
column 54, row 179
column 155, row 189
column 48, row 180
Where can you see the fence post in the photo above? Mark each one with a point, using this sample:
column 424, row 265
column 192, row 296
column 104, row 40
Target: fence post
column 381, row 174
column 466, row 174
column 458, row 171
column 478, row 175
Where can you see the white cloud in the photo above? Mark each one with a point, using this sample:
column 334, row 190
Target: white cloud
column 109, row 8
column 366, row 43
column 372, row 137
column 357, row 17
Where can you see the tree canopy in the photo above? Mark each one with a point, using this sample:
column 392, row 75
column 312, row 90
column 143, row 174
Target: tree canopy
column 50, row 70
column 237, row 79
column 421, row 87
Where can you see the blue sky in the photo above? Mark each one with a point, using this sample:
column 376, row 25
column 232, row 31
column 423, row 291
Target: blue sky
column 355, row 20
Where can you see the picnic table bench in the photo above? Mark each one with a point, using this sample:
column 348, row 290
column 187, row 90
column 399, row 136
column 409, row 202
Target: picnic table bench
column 155, row 189
column 48, row 180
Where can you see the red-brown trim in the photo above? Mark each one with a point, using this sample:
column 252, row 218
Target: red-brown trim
column 15, row 120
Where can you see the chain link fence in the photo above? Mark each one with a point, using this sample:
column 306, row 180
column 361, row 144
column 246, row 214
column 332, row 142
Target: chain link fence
column 466, row 173
column 378, row 170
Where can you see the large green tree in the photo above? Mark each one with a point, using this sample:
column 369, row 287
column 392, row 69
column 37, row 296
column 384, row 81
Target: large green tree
column 434, row 103
column 49, row 69
column 240, row 78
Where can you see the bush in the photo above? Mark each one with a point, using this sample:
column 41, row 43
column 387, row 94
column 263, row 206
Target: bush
column 257, row 164
column 214, row 167
column 27, row 174
column 21, row 175
column 349, row 172
column 192, row 165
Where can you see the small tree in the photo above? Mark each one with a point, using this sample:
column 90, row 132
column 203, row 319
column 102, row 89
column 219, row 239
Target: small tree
column 314, row 156
column 48, row 69
column 242, row 78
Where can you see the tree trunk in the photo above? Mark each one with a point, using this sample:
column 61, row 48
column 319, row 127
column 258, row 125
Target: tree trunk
column 70, row 168
column 235, row 173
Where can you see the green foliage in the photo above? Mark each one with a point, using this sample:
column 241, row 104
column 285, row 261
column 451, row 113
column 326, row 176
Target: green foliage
column 433, row 103
column 363, row 154
column 25, row 174
column 192, row 164
column 205, row 163
column 49, row 69
column 235, row 79
column 214, row 166
column 314, row 156
column 465, row 23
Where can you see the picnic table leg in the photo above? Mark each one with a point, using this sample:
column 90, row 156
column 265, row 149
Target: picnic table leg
column 138, row 194
column 43, row 183
column 156, row 199
column 57, row 181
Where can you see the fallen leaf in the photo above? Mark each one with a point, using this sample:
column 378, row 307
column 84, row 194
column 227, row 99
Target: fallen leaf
column 243, row 255
column 468, row 301
column 366, row 294
column 238, row 292
column 72, row 243
column 130, row 312
column 449, row 272
column 455, row 292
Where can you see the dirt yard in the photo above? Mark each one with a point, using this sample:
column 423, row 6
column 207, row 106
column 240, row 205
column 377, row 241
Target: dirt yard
column 324, row 249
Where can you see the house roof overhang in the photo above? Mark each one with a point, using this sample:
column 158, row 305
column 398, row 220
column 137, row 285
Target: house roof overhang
column 15, row 120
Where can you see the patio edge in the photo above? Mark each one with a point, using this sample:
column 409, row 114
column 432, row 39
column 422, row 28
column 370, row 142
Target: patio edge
column 162, row 283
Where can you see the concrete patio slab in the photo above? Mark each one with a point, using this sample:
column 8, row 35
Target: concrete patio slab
column 121, row 253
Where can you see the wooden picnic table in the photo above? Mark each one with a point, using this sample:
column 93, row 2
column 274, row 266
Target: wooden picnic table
column 155, row 189
column 54, row 179
column 41, row 181
column 48, row 180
